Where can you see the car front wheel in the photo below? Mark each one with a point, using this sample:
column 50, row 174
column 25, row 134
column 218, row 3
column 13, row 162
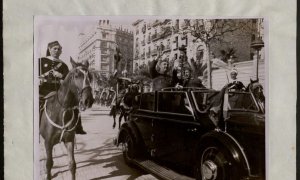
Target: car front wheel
column 216, row 163
column 128, row 148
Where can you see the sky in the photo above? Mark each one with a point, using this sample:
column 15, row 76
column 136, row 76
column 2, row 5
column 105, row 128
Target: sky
column 65, row 30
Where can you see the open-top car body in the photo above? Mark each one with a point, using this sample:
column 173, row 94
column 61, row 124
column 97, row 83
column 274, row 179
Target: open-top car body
column 204, row 134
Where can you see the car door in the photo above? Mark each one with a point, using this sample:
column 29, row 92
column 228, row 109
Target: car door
column 173, row 126
column 143, row 117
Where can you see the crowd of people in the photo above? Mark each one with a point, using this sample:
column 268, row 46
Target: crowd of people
column 181, row 73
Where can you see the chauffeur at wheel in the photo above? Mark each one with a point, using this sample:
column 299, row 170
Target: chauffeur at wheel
column 52, row 71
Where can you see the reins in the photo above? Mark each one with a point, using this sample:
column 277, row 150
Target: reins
column 64, row 126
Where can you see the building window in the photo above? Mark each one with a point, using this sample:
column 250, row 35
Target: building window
column 149, row 37
column 176, row 42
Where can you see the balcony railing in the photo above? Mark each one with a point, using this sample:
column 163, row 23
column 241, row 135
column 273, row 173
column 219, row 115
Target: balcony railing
column 167, row 48
column 156, row 23
column 144, row 29
column 154, row 52
column 166, row 32
column 155, row 37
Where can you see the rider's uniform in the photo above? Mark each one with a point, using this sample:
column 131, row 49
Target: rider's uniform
column 48, row 82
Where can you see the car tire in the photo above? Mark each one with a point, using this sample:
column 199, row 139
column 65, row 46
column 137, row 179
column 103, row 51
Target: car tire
column 215, row 162
column 128, row 148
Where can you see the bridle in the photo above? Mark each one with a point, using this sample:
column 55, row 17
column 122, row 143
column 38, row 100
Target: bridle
column 64, row 127
column 85, row 83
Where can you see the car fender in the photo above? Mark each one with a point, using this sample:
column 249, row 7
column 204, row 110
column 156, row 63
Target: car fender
column 130, row 127
column 227, row 141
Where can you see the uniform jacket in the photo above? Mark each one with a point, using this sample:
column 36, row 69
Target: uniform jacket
column 50, row 83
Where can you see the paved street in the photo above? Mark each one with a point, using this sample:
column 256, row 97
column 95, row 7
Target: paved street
column 96, row 156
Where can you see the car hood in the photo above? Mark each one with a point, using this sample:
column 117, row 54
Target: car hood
column 246, row 122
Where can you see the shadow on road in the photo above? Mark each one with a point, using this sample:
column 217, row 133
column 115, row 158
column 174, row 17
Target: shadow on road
column 108, row 156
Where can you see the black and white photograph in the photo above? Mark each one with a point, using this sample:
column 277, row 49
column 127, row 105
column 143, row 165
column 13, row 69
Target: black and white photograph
column 150, row 97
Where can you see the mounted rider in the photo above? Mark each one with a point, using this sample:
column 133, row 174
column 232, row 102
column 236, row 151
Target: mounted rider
column 123, row 84
column 52, row 71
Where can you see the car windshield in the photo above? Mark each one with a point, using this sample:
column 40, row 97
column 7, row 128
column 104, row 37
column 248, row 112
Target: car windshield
column 240, row 101
column 233, row 101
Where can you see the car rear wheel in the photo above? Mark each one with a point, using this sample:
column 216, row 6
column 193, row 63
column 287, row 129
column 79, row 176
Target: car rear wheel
column 216, row 163
column 128, row 148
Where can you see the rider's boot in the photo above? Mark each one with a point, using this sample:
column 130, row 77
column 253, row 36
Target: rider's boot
column 79, row 128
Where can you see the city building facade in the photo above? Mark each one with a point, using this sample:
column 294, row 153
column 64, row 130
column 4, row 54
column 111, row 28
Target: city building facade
column 98, row 45
column 152, row 36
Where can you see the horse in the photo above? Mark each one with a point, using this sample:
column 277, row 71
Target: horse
column 61, row 113
column 124, row 103
column 257, row 90
column 103, row 96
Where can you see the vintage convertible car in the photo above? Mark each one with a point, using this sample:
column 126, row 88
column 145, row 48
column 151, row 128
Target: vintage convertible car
column 196, row 134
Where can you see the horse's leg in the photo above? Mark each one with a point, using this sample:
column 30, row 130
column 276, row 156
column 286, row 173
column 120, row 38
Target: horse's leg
column 72, row 163
column 114, row 114
column 49, row 161
column 120, row 118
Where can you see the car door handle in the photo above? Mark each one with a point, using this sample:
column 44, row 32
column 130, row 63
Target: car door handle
column 192, row 130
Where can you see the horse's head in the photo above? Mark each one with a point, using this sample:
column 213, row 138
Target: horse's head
column 257, row 89
column 80, row 84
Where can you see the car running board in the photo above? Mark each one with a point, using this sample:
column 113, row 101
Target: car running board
column 160, row 171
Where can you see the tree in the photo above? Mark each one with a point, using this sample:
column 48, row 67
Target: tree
column 209, row 30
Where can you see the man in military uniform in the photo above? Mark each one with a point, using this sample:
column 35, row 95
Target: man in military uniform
column 52, row 71
column 158, row 72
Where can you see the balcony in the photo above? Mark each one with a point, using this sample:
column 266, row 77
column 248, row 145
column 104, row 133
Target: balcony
column 156, row 23
column 144, row 29
column 154, row 52
column 167, row 48
column 185, row 24
column 143, row 42
column 166, row 21
column 155, row 37
column 183, row 37
column 167, row 31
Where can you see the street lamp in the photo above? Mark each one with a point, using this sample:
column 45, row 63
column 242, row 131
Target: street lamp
column 257, row 45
